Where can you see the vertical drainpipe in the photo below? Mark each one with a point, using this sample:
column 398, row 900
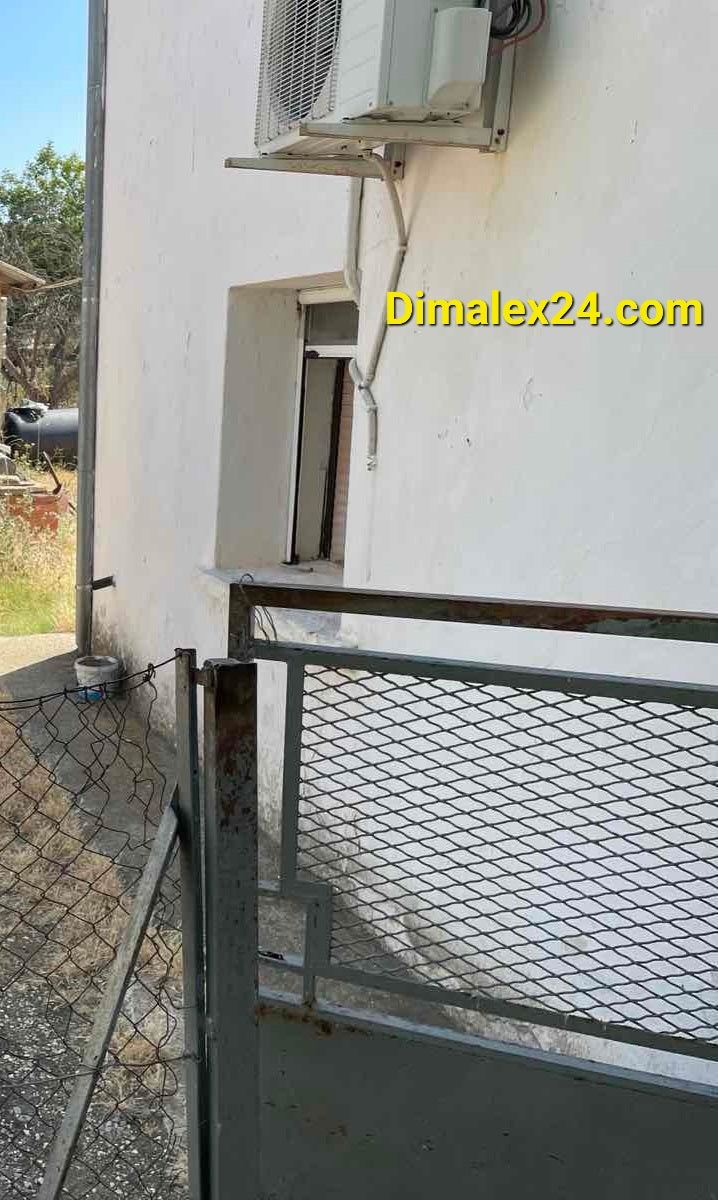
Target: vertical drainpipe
column 3, row 326
column 352, row 277
column 90, row 319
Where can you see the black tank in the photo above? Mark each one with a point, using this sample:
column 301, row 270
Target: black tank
column 35, row 429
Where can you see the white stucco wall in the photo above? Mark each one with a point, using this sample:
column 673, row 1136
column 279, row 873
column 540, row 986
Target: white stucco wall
column 179, row 232
column 558, row 464
column 567, row 464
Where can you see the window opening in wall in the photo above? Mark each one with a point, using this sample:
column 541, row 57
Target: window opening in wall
column 324, row 433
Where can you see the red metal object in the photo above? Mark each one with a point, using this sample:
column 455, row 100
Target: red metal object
column 41, row 510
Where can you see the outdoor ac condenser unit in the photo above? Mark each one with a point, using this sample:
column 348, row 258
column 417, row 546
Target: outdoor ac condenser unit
column 334, row 69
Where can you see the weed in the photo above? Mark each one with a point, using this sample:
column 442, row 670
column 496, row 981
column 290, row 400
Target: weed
column 37, row 570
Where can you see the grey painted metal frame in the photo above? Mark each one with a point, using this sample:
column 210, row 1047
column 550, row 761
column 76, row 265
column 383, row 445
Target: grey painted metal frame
column 334, row 1015
column 292, row 768
column 398, row 1109
column 316, row 961
column 317, row 897
column 533, row 679
column 190, row 832
column 231, row 891
column 489, row 1006
column 103, row 1026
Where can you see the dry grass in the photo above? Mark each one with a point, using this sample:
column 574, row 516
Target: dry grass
column 78, row 901
column 37, row 584
column 66, row 906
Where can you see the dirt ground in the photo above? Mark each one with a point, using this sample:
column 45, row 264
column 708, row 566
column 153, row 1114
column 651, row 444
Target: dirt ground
column 81, row 786
column 38, row 658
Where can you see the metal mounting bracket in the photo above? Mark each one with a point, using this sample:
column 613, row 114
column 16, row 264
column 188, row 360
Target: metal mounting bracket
column 361, row 167
column 369, row 134
column 498, row 94
column 357, row 167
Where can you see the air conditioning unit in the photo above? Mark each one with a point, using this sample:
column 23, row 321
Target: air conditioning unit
column 338, row 76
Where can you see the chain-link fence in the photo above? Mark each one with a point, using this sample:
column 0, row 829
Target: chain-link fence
column 549, row 850
column 83, row 785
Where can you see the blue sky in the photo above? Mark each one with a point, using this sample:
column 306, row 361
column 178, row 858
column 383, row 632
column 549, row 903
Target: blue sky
column 43, row 48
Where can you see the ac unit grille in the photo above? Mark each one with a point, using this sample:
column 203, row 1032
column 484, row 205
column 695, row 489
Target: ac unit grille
column 297, row 73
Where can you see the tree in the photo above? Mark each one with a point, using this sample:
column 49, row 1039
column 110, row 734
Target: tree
column 41, row 215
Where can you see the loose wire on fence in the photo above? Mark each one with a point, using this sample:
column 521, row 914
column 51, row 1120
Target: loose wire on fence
column 146, row 675
column 263, row 616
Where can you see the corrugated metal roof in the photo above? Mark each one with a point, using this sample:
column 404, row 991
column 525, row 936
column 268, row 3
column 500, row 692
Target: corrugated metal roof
column 13, row 277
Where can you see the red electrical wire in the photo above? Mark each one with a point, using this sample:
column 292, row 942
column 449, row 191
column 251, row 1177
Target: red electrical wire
column 524, row 37
column 537, row 27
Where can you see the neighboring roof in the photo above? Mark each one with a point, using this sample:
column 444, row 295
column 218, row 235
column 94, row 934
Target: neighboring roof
column 13, row 277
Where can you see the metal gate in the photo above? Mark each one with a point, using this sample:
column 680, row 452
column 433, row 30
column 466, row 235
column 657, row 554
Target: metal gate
column 470, row 859
column 472, row 849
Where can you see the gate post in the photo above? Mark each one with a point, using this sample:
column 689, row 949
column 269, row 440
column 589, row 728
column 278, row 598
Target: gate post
column 190, row 856
column 231, row 829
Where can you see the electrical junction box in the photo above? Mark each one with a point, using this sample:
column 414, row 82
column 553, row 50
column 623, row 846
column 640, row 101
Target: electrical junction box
column 334, row 70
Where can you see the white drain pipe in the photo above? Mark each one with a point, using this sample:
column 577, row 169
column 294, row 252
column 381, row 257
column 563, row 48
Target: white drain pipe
column 364, row 380
column 352, row 275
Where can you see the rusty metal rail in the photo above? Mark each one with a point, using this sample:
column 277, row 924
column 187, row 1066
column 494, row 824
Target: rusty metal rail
column 467, row 610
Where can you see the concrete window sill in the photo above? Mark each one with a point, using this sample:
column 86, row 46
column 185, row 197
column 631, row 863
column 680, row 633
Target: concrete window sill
column 302, row 627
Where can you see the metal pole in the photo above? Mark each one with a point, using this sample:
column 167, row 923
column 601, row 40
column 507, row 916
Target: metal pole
column 240, row 625
column 103, row 1026
column 470, row 610
column 3, row 328
column 231, row 879
column 190, row 829
column 90, row 321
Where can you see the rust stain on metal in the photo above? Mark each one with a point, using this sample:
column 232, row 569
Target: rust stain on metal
column 306, row 1016
column 478, row 610
column 236, row 763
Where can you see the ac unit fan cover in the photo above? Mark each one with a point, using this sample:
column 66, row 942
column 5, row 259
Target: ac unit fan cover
column 300, row 48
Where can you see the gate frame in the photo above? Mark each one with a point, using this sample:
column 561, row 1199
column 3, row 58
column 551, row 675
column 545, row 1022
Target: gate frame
column 232, row 884
column 65, row 1142
column 231, row 907
column 189, row 815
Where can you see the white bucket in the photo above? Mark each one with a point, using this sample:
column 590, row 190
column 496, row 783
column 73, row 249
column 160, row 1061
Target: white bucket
column 95, row 673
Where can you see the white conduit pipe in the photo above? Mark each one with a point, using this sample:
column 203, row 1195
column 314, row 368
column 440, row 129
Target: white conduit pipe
column 352, row 277
column 363, row 380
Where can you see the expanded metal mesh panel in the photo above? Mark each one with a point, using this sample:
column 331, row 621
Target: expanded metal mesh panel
column 297, row 73
column 553, row 850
